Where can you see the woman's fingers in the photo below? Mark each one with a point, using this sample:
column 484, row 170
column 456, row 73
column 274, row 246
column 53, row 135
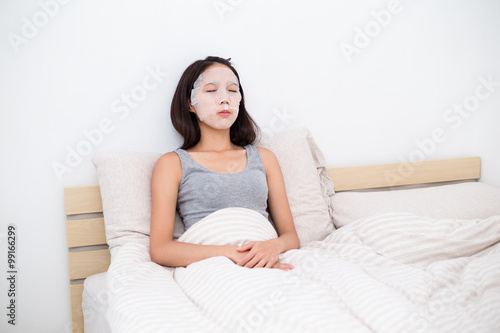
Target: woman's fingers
column 254, row 261
column 244, row 260
column 246, row 247
column 251, row 261
column 259, row 254
column 283, row 266
column 262, row 263
column 270, row 264
column 259, row 261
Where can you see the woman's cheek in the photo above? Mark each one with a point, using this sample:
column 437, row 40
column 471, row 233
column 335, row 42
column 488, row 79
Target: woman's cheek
column 204, row 107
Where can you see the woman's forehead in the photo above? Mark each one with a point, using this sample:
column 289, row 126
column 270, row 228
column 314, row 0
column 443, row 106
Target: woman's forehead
column 219, row 73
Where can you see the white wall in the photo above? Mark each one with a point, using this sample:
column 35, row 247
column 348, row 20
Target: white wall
column 68, row 75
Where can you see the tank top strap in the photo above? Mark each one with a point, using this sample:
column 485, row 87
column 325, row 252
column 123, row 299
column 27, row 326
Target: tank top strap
column 253, row 158
column 186, row 161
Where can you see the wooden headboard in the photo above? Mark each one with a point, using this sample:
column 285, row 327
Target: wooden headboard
column 88, row 255
column 86, row 239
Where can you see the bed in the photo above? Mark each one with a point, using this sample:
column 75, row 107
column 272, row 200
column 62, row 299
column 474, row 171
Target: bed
column 395, row 247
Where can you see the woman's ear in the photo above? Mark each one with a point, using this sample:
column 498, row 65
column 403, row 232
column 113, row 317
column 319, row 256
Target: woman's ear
column 191, row 107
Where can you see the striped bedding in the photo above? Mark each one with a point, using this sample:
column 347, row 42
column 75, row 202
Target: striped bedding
column 390, row 273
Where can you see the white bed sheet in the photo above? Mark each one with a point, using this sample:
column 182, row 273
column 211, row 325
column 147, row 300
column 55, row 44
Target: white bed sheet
column 391, row 273
column 95, row 304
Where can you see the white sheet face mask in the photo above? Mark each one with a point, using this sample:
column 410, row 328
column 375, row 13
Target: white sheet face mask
column 216, row 97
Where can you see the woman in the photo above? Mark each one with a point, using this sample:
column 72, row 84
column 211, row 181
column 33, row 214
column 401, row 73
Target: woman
column 208, row 110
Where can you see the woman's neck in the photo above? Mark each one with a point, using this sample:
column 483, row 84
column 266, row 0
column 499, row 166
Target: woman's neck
column 214, row 140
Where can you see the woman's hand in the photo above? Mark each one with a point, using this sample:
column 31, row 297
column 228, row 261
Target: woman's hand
column 247, row 254
column 261, row 254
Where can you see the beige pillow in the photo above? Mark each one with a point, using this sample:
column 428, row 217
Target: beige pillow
column 125, row 184
column 308, row 187
column 469, row 200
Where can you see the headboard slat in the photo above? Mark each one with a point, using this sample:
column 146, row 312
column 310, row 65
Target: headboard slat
column 87, row 263
column 82, row 199
column 85, row 232
column 76, row 291
column 397, row 174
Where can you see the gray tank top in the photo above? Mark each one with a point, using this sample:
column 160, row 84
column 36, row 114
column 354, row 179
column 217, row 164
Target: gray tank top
column 202, row 191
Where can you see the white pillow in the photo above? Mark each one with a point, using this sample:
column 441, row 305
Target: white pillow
column 307, row 184
column 469, row 200
column 125, row 184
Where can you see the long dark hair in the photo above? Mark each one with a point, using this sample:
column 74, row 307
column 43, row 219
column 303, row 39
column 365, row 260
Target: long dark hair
column 244, row 130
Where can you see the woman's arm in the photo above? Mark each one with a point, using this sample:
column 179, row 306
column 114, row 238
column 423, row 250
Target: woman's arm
column 265, row 254
column 164, row 250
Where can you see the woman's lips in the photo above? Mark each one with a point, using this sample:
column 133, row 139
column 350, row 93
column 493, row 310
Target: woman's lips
column 224, row 113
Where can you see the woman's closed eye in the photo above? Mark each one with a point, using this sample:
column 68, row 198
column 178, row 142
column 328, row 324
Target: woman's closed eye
column 232, row 88
column 211, row 87
column 215, row 90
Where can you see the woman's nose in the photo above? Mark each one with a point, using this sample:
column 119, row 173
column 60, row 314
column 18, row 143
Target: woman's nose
column 223, row 98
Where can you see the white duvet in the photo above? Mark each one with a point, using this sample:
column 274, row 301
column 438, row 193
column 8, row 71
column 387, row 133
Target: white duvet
column 390, row 273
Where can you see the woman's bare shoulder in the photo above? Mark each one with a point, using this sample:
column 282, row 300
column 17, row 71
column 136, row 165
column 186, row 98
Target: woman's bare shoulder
column 171, row 156
column 268, row 159
column 266, row 154
column 169, row 163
